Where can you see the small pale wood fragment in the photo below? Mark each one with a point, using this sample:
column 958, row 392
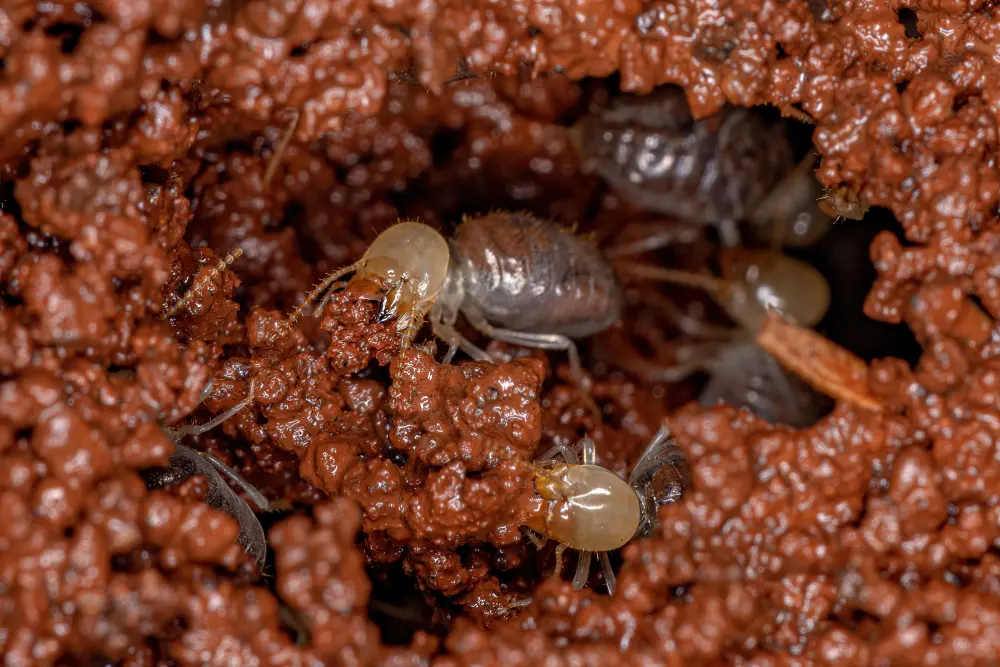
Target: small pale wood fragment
column 819, row 361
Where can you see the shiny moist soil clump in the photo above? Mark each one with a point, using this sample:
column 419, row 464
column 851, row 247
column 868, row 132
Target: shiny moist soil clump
column 175, row 177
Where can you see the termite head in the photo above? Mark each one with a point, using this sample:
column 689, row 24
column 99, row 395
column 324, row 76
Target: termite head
column 404, row 269
column 409, row 264
column 843, row 201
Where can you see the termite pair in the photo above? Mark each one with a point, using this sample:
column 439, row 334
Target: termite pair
column 546, row 285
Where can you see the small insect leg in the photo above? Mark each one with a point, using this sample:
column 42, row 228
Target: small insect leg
column 560, row 550
column 582, row 570
column 588, row 452
column 197, row 429
column 662, row 238
column 609, row 574
column 710, row 284
column 457, row 341
column 535, row 538
column 563, row 450
column 449, row 335
column 690, row 358
column 691, row 326
column 539, row 341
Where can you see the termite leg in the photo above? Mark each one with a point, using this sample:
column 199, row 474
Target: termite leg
column 565, row 451
column 197, row 429
column 609, row 574
column 559, row 559
column 691, row 326
column 689, row 359
column 457, row 341
column 582, row 570
column 535, row 538
column 540, row 341
column 663, row 238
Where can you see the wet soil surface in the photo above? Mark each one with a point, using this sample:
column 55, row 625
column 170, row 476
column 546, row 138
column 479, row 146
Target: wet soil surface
column 143, row 142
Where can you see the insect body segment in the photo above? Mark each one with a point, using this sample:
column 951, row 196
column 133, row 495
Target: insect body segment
column 526, row 281
column 656, row 155
column 589, row 506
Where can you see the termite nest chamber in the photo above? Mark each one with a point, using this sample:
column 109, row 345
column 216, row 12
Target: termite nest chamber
column 694, row 231
column 648, row 265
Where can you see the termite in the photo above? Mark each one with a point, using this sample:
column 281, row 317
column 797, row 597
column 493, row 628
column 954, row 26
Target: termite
column 514, row 277
column 584, row 506
column 754, row 283
column 715, row 171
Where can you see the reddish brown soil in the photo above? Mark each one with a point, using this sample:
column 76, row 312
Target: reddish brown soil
column 135, row 135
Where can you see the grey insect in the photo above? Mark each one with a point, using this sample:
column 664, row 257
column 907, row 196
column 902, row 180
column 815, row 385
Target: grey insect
column 754, row 282
column 714, row 171
column 514, row 277
column 186, row 462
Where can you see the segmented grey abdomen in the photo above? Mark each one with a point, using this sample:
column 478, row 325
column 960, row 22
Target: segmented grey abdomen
column 748, row 377
column 531, row 275
column 652, row 152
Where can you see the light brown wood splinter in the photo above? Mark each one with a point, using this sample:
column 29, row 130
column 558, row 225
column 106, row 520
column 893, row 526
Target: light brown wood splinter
column 819, row 361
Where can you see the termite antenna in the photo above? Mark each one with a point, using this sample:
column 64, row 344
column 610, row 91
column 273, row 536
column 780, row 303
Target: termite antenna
column 200, row 285
column 710, row 284
column 279, row 151
column 326, row 284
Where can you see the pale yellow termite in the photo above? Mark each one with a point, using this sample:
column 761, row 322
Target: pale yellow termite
column 584, row 506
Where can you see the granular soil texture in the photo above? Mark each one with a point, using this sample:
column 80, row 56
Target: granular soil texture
column 141, row 142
